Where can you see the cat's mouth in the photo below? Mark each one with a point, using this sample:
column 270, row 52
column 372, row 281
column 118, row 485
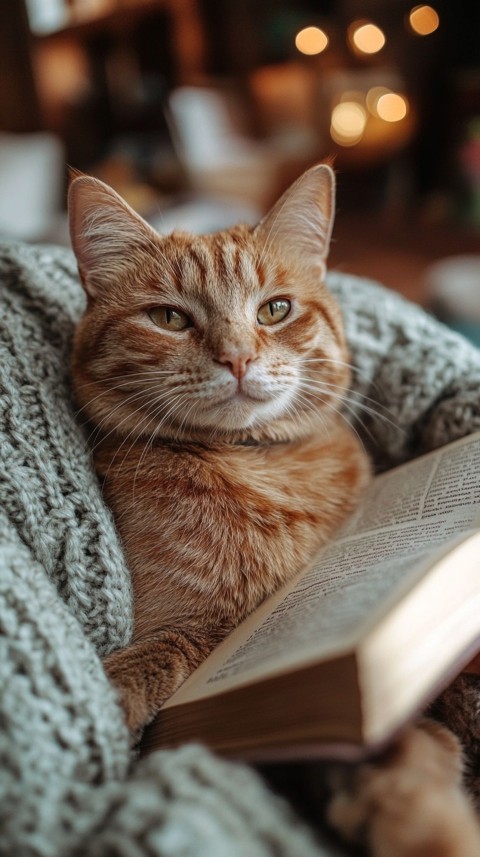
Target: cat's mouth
column 237, row 410
column 241, row 397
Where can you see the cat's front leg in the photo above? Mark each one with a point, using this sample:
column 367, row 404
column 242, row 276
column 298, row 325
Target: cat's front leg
column 411, row 801
column 147, row 672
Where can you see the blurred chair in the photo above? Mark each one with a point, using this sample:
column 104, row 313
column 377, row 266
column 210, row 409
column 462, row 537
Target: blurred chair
column 219, row 158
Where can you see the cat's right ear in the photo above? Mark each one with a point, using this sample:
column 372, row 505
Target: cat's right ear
column 300, row 223
column 106, row 234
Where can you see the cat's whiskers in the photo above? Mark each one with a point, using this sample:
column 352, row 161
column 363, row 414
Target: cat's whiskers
column 146, row 393
column 179, row 399
column 332, row 407
column 337, row 408
column 185, row 418
column 125, row 376
column 332, row 360
column 352, row 402
column 298, row 420
column 333, row 391
column 109, row 390
column 302, row 399
column 139, row 394
column 352, row 427
column 165, row 398
column 361, row 373
column 154, row 434
column 134, row 430
column 92, row 438
column 357, row 393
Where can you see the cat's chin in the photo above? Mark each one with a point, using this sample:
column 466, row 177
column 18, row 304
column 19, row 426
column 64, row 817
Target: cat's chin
column 245, row 420
column 242, row 412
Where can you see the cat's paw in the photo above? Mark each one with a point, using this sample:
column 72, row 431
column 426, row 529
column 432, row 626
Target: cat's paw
column 148, row 671
column 131, row 692
column 410, row 801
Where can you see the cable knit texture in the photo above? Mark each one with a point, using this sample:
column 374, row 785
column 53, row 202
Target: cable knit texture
column 68, row 785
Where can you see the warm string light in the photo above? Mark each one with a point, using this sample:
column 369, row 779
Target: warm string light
column 366, row 38
column 311, row 41
column 355, row 109
column 392, row 107
column 423, row 20
column 350, row 116
column 348, row 123
column 372, row 97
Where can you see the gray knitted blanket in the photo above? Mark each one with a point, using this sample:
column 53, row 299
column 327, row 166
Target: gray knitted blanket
column 68, row 785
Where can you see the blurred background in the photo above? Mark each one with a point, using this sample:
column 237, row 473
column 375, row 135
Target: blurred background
column 200, row 112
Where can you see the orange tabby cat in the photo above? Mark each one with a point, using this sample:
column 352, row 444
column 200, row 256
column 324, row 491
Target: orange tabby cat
column 212, row 370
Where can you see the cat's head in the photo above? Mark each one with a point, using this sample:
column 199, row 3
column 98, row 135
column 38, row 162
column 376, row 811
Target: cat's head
column 231, row 335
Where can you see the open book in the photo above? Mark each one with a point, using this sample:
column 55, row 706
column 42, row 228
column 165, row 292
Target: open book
column 353, row 647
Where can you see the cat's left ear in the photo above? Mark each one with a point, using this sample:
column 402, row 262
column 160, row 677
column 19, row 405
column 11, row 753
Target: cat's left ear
column 107, row 235
column 300, row 223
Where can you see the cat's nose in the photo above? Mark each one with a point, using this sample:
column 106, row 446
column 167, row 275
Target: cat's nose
column 237, row 362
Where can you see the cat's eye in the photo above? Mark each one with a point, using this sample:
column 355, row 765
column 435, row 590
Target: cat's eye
column 169, row 318
column 273, row 311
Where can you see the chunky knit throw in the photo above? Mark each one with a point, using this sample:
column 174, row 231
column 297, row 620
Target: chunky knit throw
column 68, row 784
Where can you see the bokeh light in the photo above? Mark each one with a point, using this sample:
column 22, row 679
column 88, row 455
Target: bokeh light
column 311, row 40
column 424, row 20
column 392, row 107
column 348, row 123
column 373, row 95
column 366, row 38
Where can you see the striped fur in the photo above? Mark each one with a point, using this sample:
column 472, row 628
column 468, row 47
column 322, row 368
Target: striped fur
column 221, row 448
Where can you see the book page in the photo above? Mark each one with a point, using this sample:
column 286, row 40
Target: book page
column 407, row 516
column 443, row 483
